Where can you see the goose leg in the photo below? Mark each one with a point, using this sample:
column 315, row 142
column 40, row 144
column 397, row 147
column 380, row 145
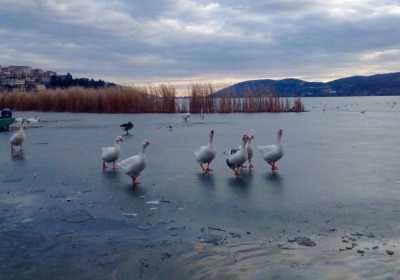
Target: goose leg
column 135, row 181
column 202, row 168
column 271, row 163
column 104, row 165
column 237, row 172
column 251, row 166
column 113, row 165
column 208, row 168
column 274, row 167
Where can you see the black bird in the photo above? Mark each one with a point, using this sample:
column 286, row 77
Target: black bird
column 126, row 127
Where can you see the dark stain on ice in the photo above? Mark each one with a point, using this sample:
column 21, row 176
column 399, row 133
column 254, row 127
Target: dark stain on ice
column 77, row 217
column 303, row 241
column 13, row 180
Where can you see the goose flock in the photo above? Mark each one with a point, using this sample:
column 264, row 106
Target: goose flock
column 133, row 166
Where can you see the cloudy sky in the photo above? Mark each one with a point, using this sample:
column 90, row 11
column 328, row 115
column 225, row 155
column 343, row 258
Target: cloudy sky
column 220, row 41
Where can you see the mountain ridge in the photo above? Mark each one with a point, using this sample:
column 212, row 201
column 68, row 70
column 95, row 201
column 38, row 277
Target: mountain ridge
column 373, row 85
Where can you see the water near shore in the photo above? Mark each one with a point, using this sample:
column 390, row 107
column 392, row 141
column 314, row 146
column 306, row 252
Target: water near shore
column 332, row 211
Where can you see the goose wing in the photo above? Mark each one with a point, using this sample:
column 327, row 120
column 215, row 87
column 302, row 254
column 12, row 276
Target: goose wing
column 231, row 151
column 271, row 152
column 17, row 138
column 133, row 165
column 238, row 158
column 205, row 154
column 109, row 153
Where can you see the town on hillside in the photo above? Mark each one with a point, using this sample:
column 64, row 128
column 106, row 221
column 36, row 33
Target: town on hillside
column 26, row 78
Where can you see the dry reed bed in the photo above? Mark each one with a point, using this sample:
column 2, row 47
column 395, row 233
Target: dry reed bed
column 161, row 99
column 202, row 100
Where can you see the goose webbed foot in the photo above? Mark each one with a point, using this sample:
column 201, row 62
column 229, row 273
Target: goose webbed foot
column 274, row 167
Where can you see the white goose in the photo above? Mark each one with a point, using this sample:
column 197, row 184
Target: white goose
column 236, row 160
column 273, row 153
column 206, row 154
column 111, row 154
column 134, row 165
column 249, row 152
column 33, row 120
column 18, row 138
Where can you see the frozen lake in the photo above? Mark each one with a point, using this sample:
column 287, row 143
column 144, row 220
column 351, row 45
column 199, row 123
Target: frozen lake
column 61, row 217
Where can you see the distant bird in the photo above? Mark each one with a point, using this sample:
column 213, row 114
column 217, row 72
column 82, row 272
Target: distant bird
column 111, row 154
column 186, row 117
column 206, row 154
column 272, row 153
column 236, row 160
column 33, row 120
column 126, row 127
column 134, row 165
column 18, row 138
column 363, row 111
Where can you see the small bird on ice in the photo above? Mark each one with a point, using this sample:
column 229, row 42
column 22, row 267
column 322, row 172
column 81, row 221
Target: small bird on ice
column 126, row 127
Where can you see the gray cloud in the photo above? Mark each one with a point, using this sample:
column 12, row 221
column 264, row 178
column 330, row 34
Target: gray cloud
column 188, row 40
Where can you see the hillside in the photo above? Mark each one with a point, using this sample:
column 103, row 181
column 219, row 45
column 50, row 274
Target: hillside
column 378, row 85
column 26, row 78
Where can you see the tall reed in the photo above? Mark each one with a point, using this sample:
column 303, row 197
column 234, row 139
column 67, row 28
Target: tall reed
column 202, row 99
column 161, row 99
